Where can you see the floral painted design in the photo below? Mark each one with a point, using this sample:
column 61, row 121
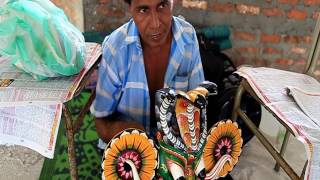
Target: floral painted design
column 135, row 147
column 224, row 138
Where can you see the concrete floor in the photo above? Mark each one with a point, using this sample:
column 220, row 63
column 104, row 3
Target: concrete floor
column 255, row 163
column 17, row 162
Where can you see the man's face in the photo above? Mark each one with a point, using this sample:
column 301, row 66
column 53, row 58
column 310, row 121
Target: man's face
column 153, row 19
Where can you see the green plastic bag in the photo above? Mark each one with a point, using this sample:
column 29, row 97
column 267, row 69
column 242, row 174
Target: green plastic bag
column 39, row 38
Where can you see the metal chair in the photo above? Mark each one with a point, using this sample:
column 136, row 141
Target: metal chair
column 245, row 87
column 73, row 125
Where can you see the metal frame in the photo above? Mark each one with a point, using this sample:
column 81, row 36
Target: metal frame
column 245, row 87
column 73, row 125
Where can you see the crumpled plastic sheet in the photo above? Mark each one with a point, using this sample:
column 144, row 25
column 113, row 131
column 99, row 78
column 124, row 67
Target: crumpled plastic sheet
column 39, row 38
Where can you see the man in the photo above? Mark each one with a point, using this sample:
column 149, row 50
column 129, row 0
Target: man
column 152, row 51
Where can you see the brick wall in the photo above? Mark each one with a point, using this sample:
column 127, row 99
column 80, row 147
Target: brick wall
column 273, row 33
column 104, row 15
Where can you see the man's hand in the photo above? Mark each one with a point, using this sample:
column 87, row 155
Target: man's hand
column 108, row 128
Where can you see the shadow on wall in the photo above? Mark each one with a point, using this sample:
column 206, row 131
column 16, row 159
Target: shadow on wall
column 74, row 10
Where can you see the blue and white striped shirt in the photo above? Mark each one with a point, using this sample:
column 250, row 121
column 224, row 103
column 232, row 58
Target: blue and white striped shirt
column 122, row 84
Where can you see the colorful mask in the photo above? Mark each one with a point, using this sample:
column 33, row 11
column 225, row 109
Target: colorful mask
column 130, row 155
column 185, row 149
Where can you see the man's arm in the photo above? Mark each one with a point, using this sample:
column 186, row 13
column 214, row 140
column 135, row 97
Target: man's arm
column 108, row 93
column 107, row 128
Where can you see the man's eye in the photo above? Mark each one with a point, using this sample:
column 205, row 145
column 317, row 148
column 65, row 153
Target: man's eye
column 143, row 10
column 163, row 5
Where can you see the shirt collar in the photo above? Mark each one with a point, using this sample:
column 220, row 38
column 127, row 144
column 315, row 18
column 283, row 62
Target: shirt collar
column 133, row 34
column 180, row 34
column 178, row 31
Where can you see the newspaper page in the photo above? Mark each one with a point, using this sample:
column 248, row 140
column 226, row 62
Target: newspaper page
column 19, row 88
column 270, row 85
column 32, row 126
column 309, row 102
column 30, row 110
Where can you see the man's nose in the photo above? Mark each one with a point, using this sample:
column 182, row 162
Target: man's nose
column 155, row 20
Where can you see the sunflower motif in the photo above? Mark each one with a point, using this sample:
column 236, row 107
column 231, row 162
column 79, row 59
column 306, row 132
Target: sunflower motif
column 129, row 146
column 224, row 138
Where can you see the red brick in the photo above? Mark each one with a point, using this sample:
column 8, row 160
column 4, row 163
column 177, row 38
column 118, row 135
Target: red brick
column 199, row 4
column 104, row 1
column 270, row 50
column 307, row 39
column 100, row 26
column 298, row 50
column 110, row 11
column 248, row 50
column 226, row 8
column 248, row 9
column 273, row 12
column 106, row 26
column 301, row 62
column 297, row 14
column 311, row 2
column 315, row 15
column 253, row 61
column 291, row 2
column 240, row 61
column 291, row 39
column 284, row 61
column 257, row 62
column 270, row 38
column 244, row 36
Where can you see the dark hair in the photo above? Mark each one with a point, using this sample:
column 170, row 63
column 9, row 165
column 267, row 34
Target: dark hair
column 127, row 1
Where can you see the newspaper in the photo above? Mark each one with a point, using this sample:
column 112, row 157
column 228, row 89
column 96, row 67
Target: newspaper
column 32, row 126
column 309, row 102
column 271, row 86
column 30, row 110
column 19, row 88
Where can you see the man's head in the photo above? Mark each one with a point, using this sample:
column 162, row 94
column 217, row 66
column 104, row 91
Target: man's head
column 153, row 19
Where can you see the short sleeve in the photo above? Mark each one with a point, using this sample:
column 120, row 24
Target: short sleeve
column 109, row 85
